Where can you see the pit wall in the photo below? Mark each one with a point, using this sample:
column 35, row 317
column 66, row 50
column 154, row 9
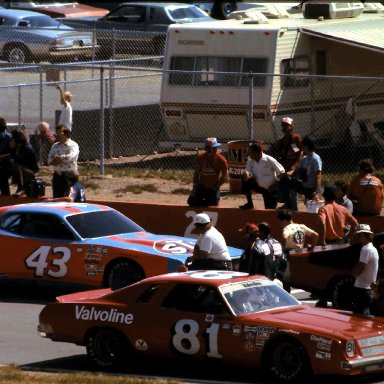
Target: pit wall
column 177, row 219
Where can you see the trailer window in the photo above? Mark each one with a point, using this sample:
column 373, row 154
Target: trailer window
column 217, row 71
column 295, row 66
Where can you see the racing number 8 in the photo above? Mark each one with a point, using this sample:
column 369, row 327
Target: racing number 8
column 38, row 261
column 186, row 330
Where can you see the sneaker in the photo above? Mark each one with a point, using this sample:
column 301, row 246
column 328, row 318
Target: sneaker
column 246, row 206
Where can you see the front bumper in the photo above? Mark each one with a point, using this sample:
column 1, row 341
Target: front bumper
column 74, row 51
column 369, row 364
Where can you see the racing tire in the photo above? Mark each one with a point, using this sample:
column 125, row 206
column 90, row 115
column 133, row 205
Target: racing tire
column 17, row 53
column 222, row 9
column 342, row 293
column 286, row 360
column 123, row 273
column 107, row 348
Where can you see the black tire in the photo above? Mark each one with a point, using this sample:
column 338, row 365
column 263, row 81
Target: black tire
column 286, row 360
column 107, row 348
column 221, row 9
column 342, row 292
column 123, row 273
column 17, row 53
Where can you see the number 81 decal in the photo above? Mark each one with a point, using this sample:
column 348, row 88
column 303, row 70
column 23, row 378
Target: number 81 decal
column 58, row 265
column 185, row 339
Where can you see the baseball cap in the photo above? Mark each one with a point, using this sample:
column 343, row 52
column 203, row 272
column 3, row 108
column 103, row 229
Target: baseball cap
column 249, row 228
column 287, row 120
column 202, row 219
column 264, row 227
column 360, row 228
column 211, row 142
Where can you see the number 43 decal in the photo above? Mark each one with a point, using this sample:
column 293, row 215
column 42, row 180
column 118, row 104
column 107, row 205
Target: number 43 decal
column 58, row 265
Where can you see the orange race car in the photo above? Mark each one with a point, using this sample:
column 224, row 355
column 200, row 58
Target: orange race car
column 84, row 244
column 222, row 318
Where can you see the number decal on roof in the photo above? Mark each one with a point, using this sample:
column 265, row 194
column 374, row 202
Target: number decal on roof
column 58, row 265
column 185, row 339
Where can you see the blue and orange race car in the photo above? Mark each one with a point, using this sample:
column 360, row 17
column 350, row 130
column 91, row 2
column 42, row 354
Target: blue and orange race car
column 84, row 244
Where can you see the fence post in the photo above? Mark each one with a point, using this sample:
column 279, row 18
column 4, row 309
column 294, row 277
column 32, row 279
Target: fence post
column 250, row 108
column 102, row 121
column 41, row 94
column 19, row 104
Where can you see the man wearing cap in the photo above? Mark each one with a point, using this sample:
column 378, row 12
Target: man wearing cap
column 289, row 152
column 250, row 233
column 210, row 252
column 335, row 218
column 211, row 172
column 261, row 175
column 365, row 271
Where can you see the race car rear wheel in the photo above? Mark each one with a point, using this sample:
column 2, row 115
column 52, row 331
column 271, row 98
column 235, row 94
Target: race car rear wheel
column 286, row 360
column 106, row 347
column 123, row 273
column 342, row 292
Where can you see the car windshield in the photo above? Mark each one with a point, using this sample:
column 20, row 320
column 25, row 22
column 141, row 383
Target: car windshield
column 102, row 223
column 256, row 296
column 40, row 21
column 180, row 13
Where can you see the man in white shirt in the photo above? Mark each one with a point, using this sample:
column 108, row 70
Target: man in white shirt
column 63, row 157
column 365, row 271
column 261, row 175
column 210, row 250
column 66, row 109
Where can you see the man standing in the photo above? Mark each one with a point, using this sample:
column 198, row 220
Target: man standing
column 261, row 175
column 365, row 271
column 5, row 158
column 66, row 109
column 211, row 171
column 335, row 218
column 210, row 250
column 63, row 156
column 289, row 152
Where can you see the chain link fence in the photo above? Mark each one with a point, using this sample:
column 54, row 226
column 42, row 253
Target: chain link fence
column 129, row 113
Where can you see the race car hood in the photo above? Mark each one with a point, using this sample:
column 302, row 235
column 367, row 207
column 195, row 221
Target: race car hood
column 325, row 321
column 162, row 245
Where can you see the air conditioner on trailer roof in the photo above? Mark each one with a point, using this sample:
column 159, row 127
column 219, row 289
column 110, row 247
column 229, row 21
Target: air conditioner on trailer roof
column 332, row 10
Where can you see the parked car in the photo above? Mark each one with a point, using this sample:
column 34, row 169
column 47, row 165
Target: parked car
column 222, row 318
column 56, row 8
column 327, row 271
column 143, row 25
column 87, row 244
column 27, row 36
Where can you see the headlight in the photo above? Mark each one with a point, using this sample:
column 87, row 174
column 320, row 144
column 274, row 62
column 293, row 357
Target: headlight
column 350, row 348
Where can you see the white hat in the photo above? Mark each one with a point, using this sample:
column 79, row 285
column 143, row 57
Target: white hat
column 211, row 142
column 287, row 120
column 360, row 228
column 201, row 218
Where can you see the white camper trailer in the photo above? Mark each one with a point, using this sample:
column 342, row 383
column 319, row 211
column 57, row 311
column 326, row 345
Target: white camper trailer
column 206, row 91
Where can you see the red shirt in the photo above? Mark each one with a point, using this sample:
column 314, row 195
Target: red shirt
column 210, row 168
column 289, row 150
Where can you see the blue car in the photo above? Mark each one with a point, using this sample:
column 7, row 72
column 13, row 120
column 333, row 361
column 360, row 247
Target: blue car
column 27, row 36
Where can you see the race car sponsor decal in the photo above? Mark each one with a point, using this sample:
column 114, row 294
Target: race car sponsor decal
column 256, row 336
column 322, row 342
column 110, row 316
column 323, row 355
column 289, row 331
column 94, row 269
column 236, row 329
column 141, row 345
column 216, row 274
column 95, row 257
column 97, row 249
column 174, row 247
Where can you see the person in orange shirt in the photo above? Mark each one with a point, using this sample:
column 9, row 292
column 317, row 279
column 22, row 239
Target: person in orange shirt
column 335, row 219
column 211, row 172
column 366, row 191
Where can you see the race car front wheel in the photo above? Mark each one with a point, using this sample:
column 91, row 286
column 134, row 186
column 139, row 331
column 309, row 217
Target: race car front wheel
column 106, row 347
column 123, row 273
column 286, row 360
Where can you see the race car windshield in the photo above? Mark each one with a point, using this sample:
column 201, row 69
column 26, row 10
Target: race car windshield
column 247, row 298
column 101, row 224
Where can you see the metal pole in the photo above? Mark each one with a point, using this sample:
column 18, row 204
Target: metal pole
column 102, row 121
column 41, row 95
column 250, row 108
column 19, row 105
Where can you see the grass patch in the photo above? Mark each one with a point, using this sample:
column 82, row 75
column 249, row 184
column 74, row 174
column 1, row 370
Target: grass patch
column 137, row 189
column 14, row 375
column 89, row 184
column 182, row 191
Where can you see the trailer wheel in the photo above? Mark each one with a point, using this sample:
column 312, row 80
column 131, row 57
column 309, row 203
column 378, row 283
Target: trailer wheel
column 342, row 292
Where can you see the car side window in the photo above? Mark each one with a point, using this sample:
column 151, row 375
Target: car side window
column 129, row 14
column 195, row 298
column 12, row 223
column 147, row 295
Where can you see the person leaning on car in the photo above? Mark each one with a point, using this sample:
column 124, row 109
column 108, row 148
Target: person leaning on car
column 210, row 250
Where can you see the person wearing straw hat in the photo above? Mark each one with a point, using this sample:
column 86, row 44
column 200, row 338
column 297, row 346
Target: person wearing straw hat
column 365, row 271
